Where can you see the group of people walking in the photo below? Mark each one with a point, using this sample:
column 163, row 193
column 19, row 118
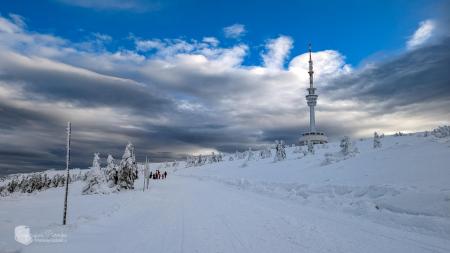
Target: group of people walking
column 158, row 175
column 152, row 175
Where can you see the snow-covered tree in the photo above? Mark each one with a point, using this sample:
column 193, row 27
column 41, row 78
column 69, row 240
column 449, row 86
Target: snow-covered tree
column 111, row 172
column 441, row 132
column 311, row 147
column 37, row 181
column 297, row 149
column 215, row 158
column 347, row 147
column 376, row 140
column 239, row 155
column 127, row 171
column 280, row 150
column 250, row 156
column 96, row 179
column 265, row 153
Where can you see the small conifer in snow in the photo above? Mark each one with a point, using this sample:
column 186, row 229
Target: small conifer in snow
column 280, row 151
column 347, row 147
column 111, row 172
column 127, row 171
column 311, row 147
column 96, row 179
column 376, row 140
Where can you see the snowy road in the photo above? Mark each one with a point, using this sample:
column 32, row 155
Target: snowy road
column 185, row 214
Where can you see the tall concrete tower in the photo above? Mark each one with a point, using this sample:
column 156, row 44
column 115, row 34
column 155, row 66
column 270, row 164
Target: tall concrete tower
column 311, row 98
column 313, row 135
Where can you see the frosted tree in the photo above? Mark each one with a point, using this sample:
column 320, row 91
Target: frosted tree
column 280, row 153
column 347, row 147
column 441, row 132
column 190, row 161
column 111, row 172
column 376, row 140
column 250, row 157
column 265, row 153
column 297, row 149
column 311, row 147
column 96, row 179
column 215, row 158
column 127, row 171
column 96, row 160
column 219, row 157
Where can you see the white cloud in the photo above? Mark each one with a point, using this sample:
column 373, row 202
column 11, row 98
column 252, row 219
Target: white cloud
column 102, row 37
column 422, row 34
column 276, row 52
column 211, row 40
column 234, row 31
column 329, row 63
column 11, row 26
column 147, row 45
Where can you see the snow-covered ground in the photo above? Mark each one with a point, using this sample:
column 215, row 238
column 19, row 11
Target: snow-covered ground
column 392, row 199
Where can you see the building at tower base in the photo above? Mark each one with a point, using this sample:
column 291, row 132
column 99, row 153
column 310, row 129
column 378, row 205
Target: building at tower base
column 314, row 136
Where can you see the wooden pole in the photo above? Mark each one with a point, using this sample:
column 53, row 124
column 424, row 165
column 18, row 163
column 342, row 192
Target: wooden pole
column 67, row 170
column 144, row 172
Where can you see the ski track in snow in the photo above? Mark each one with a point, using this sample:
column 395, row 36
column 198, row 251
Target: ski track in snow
column 189, row 215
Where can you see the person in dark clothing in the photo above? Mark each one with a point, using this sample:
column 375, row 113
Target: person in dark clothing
column 165, row 174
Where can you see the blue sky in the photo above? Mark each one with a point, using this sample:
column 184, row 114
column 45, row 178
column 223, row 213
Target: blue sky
column 357, row 29
column 189, row 77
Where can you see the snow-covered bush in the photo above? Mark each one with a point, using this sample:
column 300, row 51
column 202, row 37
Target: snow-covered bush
column 441, row 132
column 376, row 140
column 280, row 149
column 96, row 179
column 127, row 171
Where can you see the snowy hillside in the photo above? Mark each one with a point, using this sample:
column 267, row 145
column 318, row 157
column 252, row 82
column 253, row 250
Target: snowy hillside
column 395, row 198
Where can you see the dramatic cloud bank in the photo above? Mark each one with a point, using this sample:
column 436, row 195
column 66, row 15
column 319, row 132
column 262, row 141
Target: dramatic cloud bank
column 172, row 97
